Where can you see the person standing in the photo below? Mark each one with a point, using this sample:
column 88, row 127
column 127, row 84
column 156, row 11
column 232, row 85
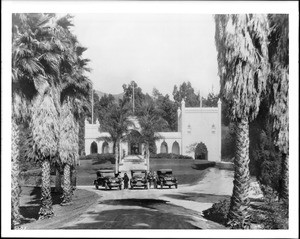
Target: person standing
column 154, row 180
column 149, row 177
column 126, row 180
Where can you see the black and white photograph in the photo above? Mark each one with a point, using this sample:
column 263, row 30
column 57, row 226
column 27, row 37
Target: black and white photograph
column 168, row 117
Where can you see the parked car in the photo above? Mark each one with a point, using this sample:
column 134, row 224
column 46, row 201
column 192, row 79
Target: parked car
column 139, row 179
column 165, row 178
column 108, row 179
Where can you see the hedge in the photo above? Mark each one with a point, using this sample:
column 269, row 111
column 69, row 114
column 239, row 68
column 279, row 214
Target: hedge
column 170, row 156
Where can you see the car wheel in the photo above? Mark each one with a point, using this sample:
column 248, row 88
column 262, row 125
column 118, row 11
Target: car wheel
column 161, row 186
column 169, row 186
column 120, row 187
column 106, row 186
column 146, row 187
column 176, row 186
column 96, row 185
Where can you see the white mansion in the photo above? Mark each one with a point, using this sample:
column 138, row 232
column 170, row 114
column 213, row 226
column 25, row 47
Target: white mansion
column 196, row 125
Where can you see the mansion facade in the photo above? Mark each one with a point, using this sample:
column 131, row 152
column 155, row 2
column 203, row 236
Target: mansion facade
column 198, row 127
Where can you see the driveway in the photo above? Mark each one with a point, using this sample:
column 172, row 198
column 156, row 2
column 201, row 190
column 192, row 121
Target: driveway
column 157, row 208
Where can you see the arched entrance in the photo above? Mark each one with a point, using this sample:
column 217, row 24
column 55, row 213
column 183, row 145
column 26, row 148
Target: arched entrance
column 94, row 148
column 164, row 148
column 201, row 152
column 175, row 148
column 105, row 148
column 134, row 143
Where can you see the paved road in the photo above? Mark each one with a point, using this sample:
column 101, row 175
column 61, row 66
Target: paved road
column 156, row 208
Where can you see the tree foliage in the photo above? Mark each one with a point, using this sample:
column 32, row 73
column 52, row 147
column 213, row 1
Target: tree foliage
column 186, row 91
column 242, row 45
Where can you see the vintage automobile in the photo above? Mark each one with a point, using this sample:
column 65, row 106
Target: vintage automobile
column 165, row 178
column 108, row 179
column 138, row 179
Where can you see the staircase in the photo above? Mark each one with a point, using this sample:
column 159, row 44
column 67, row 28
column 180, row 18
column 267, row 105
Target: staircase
column 131, row 162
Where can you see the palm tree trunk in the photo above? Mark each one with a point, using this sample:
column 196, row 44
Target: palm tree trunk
column 46, row 210
column 15, row 172
column 239, row 208
column 57, row 180
column 116, row 151
column 147, row 156
column 67, row 185
column 284, row 194
column 73, row 177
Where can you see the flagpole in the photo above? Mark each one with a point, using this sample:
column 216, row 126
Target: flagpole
column 92, row 105
column 133, row 97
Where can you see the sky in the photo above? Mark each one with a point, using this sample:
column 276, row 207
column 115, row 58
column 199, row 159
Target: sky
column 154, row 50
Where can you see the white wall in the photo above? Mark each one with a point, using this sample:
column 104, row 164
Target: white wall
column 197, row 126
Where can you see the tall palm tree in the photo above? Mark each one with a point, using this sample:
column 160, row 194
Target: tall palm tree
column 37, row 56
column 45, row 132
column 27, row 74
column 278, row 89
column 68, row 147
column 151, row 122
column 242, row 45
column 117, row 124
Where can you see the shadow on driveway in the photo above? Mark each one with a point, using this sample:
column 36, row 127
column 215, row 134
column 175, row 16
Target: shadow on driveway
column 139, row 214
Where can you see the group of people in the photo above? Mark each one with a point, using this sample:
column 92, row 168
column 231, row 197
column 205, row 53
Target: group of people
column 151, row 177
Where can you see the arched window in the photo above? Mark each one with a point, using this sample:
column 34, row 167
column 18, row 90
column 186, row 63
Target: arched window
column 201, row 151
column 94, row 148
column 175, row 148
column 105, row 148
column 164, row 147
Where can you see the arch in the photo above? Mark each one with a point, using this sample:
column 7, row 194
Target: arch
column 134, row 143
column 175, row 148
column 94, row 148
column 201, row 151
column 164, row 147
column 105, row 148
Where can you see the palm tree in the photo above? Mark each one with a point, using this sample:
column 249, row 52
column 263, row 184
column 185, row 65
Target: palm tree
column 117, row 124
column 74, row 95
column 151, row 122
column 68, row 147
column 278, row 89
column 45, row 132
column 37, row 57
column 27, row 75
column 242, row 45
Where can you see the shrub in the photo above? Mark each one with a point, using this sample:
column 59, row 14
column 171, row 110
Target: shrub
column 218, row 212
column 271, row 215
column 170, row 156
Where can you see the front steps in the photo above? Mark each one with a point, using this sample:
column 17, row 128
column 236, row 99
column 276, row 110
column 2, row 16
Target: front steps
column 131, row 162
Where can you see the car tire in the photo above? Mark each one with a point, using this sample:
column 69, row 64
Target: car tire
column 106, row 186
column 169, row 186
column 96, row 185
column 120, row 187
column 146, row 187
column 176, row 186
column 161, row 186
